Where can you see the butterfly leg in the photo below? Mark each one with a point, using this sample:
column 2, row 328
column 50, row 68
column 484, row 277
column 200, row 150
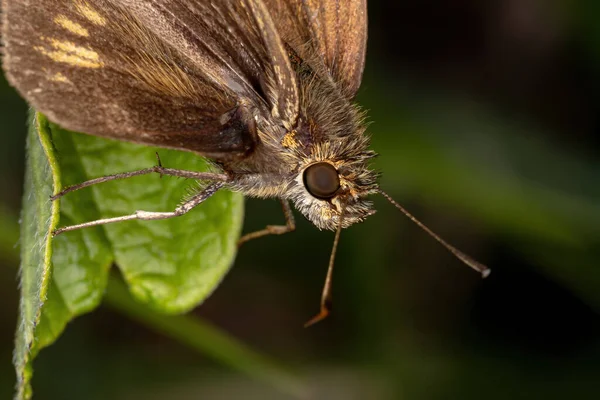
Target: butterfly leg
column 149, row 215
column 159, row 169
column 290, row 226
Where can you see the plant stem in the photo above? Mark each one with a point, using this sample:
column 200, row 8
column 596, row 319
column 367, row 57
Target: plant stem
column 206, row 339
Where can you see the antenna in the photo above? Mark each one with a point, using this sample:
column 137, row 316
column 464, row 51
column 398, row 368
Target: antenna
column 482, row 269
column 326, row 295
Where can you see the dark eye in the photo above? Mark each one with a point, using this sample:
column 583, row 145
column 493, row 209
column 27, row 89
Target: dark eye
column 321, row 180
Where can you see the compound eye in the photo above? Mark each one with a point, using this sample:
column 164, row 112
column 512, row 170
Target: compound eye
column 321, row 180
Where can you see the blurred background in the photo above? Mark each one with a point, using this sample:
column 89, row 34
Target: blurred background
column 486, row 117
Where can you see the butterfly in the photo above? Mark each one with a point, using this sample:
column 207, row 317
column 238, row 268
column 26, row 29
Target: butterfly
column 263, row 88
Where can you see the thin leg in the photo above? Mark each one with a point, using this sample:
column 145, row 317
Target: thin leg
column 149, row 215
column 159, row 169
column 290, row 226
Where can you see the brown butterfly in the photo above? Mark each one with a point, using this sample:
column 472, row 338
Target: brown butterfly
column 264, row 88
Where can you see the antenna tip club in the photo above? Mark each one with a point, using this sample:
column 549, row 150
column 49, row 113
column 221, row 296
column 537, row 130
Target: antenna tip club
column 324, row 313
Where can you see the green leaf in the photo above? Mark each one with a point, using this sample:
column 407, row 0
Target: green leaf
column 39, row 218
column 170, row 265
column 81, row 259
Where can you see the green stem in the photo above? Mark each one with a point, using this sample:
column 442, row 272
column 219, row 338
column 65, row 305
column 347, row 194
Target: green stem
column 206, row 339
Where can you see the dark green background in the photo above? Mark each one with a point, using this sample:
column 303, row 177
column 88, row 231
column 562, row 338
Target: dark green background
column 486, row 116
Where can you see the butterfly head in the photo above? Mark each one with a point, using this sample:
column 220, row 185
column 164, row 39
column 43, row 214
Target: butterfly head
column 326, row 188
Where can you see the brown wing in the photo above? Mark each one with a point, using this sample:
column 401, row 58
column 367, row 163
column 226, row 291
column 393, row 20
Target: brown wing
column 332, row 30
column 183, row 74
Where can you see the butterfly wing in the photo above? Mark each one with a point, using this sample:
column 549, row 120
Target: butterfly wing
column 192, row 75
column 334, row 31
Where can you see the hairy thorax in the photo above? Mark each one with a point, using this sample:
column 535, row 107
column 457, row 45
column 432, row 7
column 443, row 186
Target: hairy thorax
column 329, row 129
